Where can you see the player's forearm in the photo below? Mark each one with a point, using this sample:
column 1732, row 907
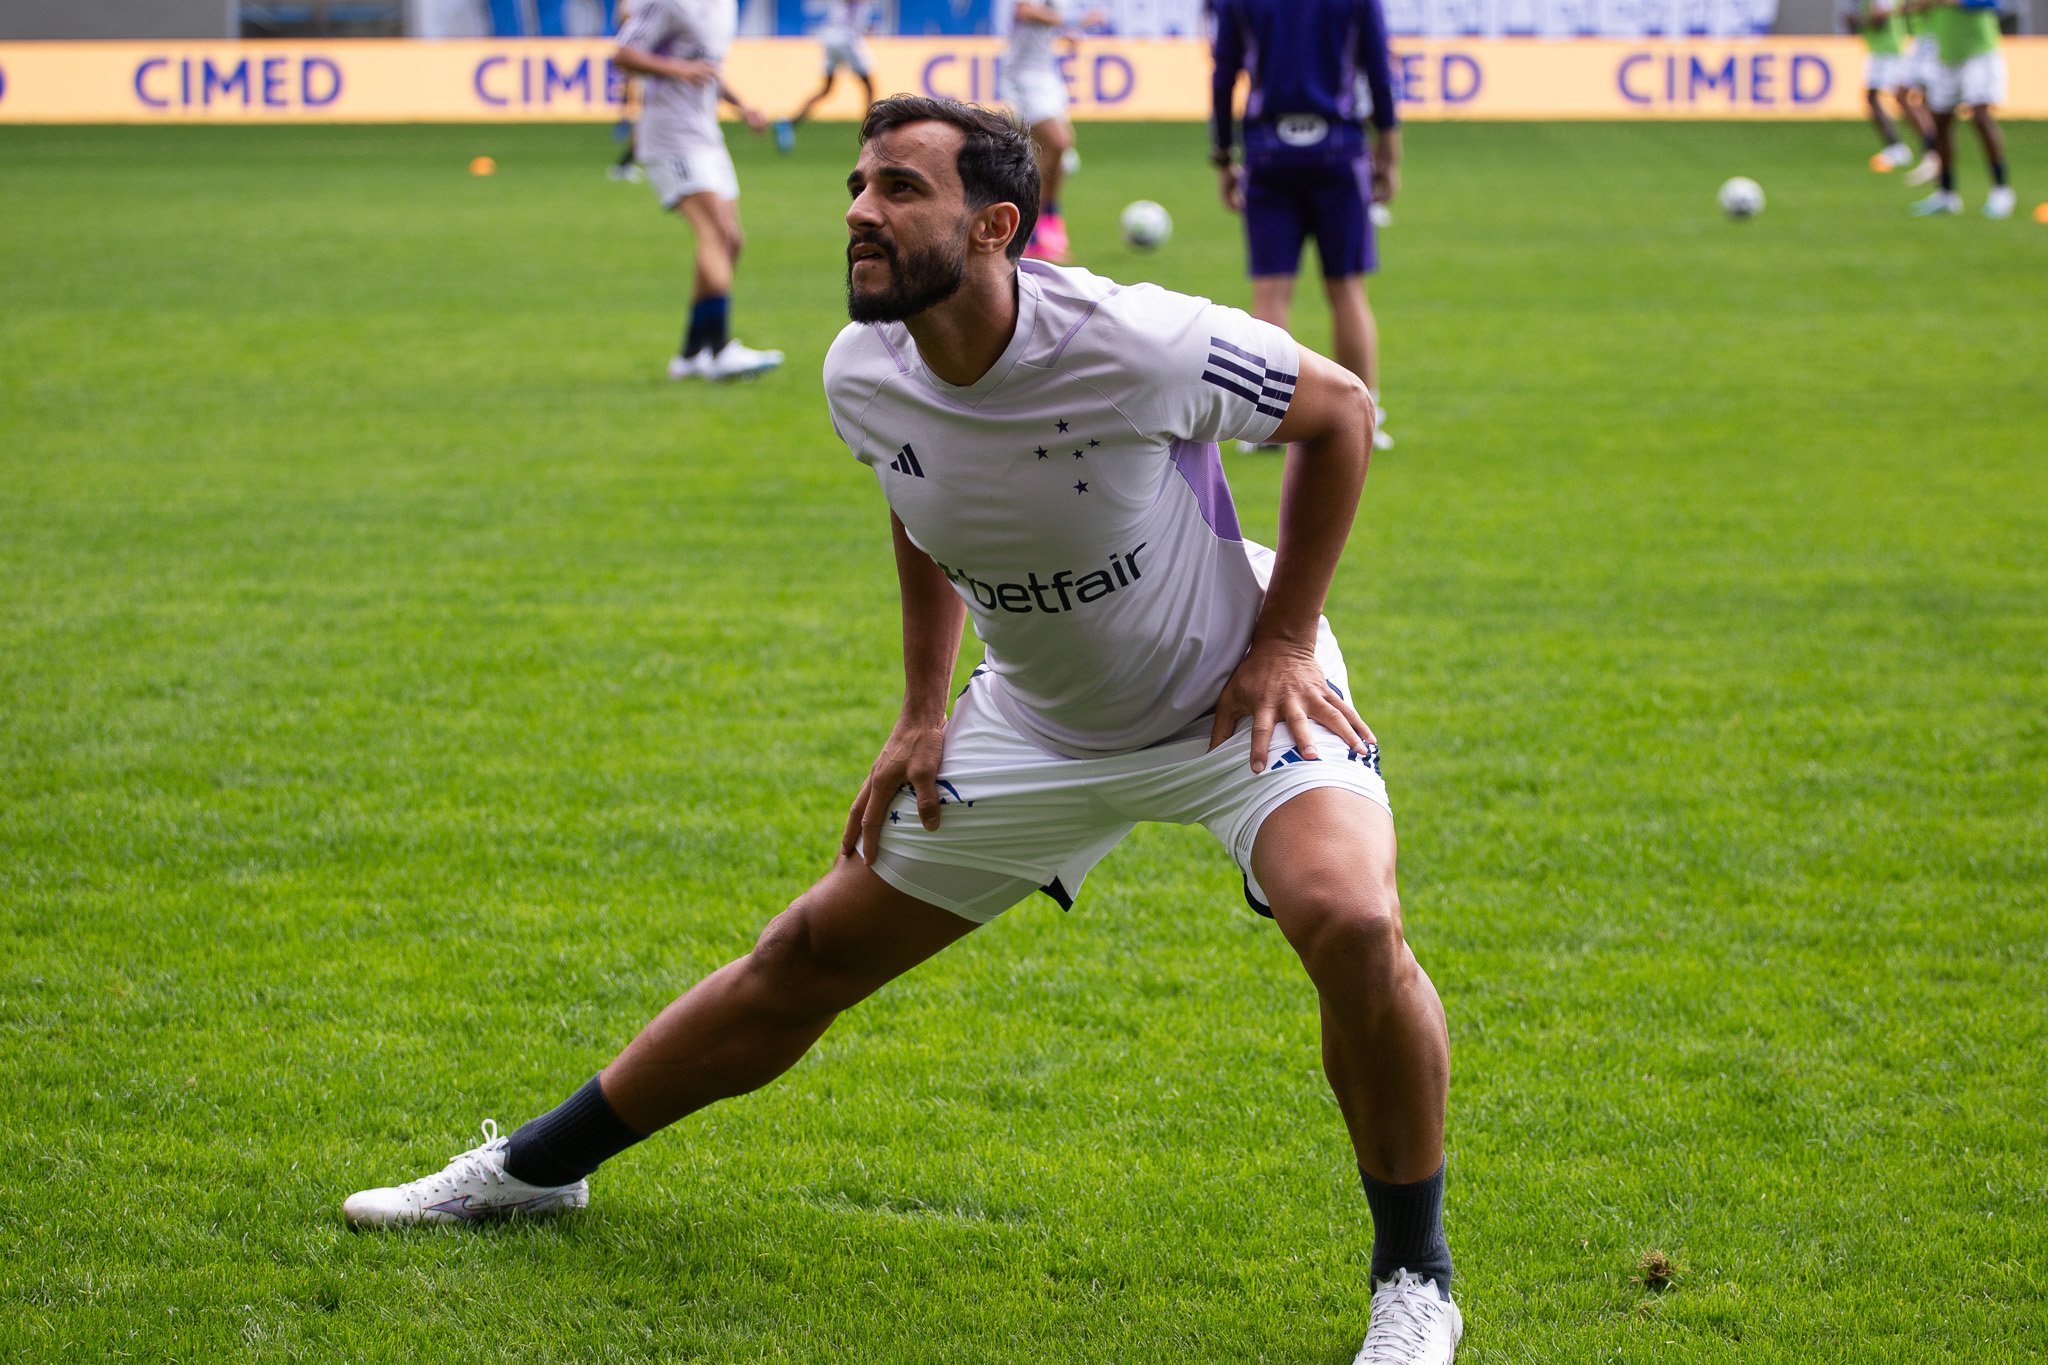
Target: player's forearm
column 653, row 64
column 1330, row 438
column 1386, row 147
column 933, row 615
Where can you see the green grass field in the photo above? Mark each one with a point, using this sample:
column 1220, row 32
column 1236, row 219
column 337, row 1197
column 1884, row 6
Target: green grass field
column 404, row 692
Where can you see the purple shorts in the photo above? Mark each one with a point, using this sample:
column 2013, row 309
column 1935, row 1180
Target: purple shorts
column 1284, row 205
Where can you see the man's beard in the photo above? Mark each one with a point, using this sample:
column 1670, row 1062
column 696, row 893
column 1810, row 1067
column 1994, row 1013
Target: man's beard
column 918, row 280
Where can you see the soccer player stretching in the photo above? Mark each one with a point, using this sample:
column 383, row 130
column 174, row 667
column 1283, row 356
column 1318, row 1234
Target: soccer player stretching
column 678, row 45
column 1047, row 443
column 1307, row 171
column 843, row 36
column 1972, row 72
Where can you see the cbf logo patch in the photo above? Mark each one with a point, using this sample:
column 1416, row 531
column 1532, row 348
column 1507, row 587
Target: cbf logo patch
column 949, row 795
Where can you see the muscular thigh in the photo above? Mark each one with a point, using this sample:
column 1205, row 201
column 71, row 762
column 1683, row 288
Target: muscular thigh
column 852, row 925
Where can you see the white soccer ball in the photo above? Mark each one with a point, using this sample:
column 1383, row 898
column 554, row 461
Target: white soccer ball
column 1741, row 197
column 1146, row 225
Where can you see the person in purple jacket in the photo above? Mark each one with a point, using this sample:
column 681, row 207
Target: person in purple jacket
column 1319, row 75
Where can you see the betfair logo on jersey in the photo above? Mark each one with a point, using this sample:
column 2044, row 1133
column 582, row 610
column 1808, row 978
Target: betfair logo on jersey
column 1069, row 588
column 906, row 462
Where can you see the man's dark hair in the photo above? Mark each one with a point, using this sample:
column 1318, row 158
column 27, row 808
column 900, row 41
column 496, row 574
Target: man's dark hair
column 996, row 163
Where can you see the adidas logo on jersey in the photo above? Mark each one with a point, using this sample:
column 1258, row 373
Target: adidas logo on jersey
column 1231, row 368
column 906, row 462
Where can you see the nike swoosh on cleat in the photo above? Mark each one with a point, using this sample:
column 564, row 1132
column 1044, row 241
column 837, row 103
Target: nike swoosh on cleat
column 460, row 1207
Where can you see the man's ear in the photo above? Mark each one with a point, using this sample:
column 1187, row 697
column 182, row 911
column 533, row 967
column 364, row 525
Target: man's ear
column 993, row 228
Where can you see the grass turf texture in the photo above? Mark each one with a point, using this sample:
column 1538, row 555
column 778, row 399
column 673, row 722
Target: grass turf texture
column 406, row 692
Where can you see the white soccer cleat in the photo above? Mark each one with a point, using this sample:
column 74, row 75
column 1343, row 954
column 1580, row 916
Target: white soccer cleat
column 1999, row 203
column 739, row 362
column 1941, row 201
column 1898, row 154
column 1929, row 167
column 687, row 366
column 473, row 1185
column 1380, row 439
column 1411, row 1324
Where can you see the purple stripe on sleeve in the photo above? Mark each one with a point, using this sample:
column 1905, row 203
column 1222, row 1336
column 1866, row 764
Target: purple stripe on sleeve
column 1202, row 467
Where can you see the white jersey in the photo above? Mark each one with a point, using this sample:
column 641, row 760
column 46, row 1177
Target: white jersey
column 844, row 21
column 1075, row 496
column 1032, row 47
column 680, row 117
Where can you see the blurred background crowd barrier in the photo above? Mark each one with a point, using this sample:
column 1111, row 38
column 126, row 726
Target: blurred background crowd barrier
column 135, row 19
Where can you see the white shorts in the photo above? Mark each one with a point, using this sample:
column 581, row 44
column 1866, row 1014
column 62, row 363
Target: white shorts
column 1978, row 81
column 705, row 168
column 851, row 52
column 1014, row 819
column 1886, row 70
column 1035, row 95
column 1923, row 61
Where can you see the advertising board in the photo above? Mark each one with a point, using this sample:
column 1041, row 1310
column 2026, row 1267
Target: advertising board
column 568, row 79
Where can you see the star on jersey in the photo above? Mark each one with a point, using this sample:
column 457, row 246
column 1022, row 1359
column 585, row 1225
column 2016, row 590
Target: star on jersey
column 1092, row 443
column 1063, row 426
column 1041, row 452
column 1080, row 487
column 1077, row 454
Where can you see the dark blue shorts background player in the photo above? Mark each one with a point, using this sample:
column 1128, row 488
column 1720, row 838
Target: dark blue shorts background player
column 1319, row 76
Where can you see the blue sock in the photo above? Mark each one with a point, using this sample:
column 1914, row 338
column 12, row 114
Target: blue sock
column 569, row 1141
column 1408, row 1229
column 1998, row 172
column 707, row 325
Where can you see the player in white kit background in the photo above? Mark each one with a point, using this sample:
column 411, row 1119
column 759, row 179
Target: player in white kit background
column 680, row 46
column 843, row 36
column 1047, row 442
column 1034, row 86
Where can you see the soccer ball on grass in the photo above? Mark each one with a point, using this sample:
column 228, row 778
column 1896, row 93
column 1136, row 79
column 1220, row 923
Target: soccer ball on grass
column 1146, row 225
column 1741, row 197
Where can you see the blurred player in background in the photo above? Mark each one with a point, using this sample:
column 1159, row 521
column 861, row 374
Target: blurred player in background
column 679, row 45
column 627, row 167
column 1972, row 72
column 1922, row 60
column 843, row 35
column 1319, row 75
column 1035, row 88
column 1884, row 72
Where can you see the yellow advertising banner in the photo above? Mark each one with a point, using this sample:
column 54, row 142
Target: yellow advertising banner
column 370, row 81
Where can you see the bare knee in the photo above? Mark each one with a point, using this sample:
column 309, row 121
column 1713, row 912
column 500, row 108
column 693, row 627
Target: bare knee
column 1346, row 932
column 795, row 973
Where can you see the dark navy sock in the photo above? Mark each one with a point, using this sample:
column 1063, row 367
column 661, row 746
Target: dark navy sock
column 1408, row 1229
column 1948, row 178
column 707, row 325
column 1998, row 172
column 569, row 1141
